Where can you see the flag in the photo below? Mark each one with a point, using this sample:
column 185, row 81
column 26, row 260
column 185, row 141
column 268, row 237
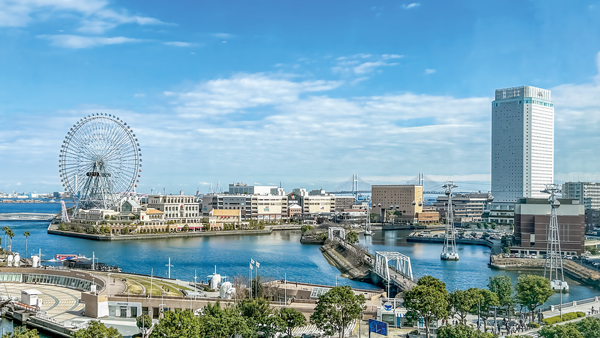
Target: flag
column 251, row 261
column 251, row 266
column 257, row 265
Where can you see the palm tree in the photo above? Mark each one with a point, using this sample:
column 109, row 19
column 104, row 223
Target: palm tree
column 10, row 234
column 5, row 229
column 26, row 234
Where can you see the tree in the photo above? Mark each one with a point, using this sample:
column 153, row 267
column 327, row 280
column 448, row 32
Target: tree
column 10, row 234
column 218, row 322
column 292, row 318
column 462, row 302
column 21, row 332
column 143, row 322
column 178, row 324
column 336, row 309
column 306, row 228
column 589, row 327
column 6, row 230
column 427, row 300
column 532, row 291
column 26, row 234
column 95, row 329
column 484, row 307
column 560, row 331
column 461, row 331
column 352, row 237
column 259, row 314
column 503, row 288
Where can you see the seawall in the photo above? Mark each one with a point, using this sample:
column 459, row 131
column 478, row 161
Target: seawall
column 335, row 254
column 483, row 242
column 573, row 270
column 95, row 237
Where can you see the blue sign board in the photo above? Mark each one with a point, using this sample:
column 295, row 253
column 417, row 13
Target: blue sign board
column 378, row 327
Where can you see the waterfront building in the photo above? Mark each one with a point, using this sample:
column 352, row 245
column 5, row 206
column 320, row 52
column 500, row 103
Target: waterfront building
column 177, row 209
column 502, row 213
column 406, row 200
column 258, row 207
column 522, row 143
column 244, row 189
column 587, row 193
column 466, row 207
column 344, row 202
column 532, row 217
column 592, row 219
column 318, row 204
column 217, row 218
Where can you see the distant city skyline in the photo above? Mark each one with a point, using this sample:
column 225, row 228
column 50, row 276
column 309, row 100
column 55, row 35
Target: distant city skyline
column 302, row 93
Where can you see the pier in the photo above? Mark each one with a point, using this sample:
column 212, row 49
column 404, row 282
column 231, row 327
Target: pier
column 26, row 216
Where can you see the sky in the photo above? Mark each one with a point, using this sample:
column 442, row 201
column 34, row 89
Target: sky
column 297, row 93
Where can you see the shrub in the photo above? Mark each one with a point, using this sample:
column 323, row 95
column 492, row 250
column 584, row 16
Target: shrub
column 565, row 317
column 534, row 325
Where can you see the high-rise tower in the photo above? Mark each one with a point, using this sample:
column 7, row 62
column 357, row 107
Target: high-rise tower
column 522, row 143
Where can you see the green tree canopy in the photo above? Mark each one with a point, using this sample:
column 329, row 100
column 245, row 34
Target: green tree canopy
column 178, row 324
column 336, row 309
column 461, row 331
column 292, row 318
column 427, row 300
column 143, row 321
column 219, row 322
column 352, row 237
column 96, row 329
column 589, row 327
column 532, row 291
column 21, row 332
column 260, row 315
column 485, row 307
column 503, row 288
column 461, row 303
column 560, row 331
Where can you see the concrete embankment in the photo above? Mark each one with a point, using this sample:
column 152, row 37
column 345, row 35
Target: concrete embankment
column 573, row 270
column 483, row 242
column 338, row 256
column 42, row 325
column 266, row 231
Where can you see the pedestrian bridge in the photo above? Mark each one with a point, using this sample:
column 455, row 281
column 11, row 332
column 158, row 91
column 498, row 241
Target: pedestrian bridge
column 26, row 216
column 399, row 274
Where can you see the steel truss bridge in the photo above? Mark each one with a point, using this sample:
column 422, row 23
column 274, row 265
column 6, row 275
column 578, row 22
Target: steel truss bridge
column 399, row 274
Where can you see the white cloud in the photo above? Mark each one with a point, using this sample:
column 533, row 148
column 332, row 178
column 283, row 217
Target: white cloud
column 94, row 15
column 429, row 71
column 78, row 41
column 139, row 95
column 224, row 96
column 178, row 44
column 368, row 67
column 222, row 35
column 411, row 5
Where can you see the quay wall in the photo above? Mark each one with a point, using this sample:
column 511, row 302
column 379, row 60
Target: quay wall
column 96, row 237
column 483, row 242
column 573, row 270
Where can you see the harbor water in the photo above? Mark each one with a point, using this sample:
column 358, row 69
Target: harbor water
column 279, row 254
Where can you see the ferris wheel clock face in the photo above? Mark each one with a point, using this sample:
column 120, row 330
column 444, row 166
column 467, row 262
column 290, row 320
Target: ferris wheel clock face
column 100, row 161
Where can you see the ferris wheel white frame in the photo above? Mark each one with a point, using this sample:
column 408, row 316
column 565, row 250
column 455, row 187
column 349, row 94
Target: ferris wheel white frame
column 100, row 161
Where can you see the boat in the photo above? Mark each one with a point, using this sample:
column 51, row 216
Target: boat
column 449, row 256
column 559, row 285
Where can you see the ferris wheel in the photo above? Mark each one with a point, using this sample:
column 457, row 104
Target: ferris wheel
column 100, row 161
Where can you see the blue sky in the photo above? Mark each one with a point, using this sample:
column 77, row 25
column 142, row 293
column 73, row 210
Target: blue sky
column 302, row 92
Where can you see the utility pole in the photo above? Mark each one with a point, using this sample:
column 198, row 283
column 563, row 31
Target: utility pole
column 169, row 265
column 151, row 274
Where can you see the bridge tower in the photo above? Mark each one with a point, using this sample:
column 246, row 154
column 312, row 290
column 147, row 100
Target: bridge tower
column 355, row 187
column 422, row 179
column 449, row 252
column 553, row 264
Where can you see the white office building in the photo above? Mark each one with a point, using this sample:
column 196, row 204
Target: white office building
column 522, row 143
column 587, row 193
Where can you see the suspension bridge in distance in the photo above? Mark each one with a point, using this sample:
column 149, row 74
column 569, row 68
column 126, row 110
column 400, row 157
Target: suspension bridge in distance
column 356, row 185
column 26, row 216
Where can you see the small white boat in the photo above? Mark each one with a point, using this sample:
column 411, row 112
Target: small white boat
column 449, row 256
column 559, row 285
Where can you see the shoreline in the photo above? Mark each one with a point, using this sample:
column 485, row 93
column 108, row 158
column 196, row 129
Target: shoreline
column 105, row 238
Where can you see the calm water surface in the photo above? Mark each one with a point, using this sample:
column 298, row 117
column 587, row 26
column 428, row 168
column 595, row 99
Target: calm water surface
column 279, row 253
